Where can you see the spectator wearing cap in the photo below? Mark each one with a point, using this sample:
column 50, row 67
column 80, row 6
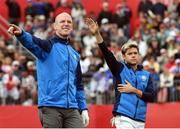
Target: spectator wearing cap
column 15, row 68
column 31, row 69
column 11, row 81
column 166, row 84
column 163, row 58
column 146, row 65
column 104, row 13
column 40, row 27
column 176, row 68
column 105, row 29
column 104, row 21
column 28, row 90
column 99, row 86
column 10, row 50
column 105, row 25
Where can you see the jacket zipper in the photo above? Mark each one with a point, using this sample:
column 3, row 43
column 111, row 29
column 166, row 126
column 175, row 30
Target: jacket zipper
column 137, row 100
column 68, row 76
column 136, row 108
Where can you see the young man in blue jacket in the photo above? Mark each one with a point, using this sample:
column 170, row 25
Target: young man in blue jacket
column 133, row 85
column 60, row 91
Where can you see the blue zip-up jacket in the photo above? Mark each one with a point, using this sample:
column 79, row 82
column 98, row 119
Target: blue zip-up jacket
column 58, row 72
column 128, row 104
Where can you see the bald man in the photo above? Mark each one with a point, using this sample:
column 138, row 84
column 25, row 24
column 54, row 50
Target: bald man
column 61, row 97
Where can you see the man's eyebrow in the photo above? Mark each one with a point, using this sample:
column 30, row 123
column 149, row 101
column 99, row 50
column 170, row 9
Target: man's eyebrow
column 65, row 20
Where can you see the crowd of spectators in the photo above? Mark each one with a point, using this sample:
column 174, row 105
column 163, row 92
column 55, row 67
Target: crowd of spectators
column 156, row 31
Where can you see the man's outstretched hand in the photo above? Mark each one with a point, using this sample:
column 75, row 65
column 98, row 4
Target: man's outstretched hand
column 14, row 30
column 92, row 25
column 94, row 29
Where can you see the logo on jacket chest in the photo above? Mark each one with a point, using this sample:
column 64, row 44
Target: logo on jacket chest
column 143, row 78
column 74, row 56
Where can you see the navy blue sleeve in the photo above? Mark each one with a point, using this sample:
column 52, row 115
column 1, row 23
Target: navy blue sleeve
column 80, row 94
column 150, row 93
column 79, row 78
column 115, row 66
column 27, row 41
column 46, row 45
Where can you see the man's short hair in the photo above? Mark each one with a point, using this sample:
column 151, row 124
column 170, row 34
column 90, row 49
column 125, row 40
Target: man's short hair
column 128, row 45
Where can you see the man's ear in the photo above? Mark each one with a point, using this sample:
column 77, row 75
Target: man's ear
column 123, row 56
column 54, row 26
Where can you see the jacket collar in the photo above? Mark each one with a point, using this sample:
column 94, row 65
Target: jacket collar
column 139, row 67
column 61, row 40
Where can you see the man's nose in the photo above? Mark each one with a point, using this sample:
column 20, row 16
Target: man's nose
column 133, row 55
column 66, row 23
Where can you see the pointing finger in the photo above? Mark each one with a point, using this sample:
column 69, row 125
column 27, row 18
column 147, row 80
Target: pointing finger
column 13, row 25
column 10, row 30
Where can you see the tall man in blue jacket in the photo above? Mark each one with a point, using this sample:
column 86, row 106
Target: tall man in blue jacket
column 133, row 85
column 60, row 91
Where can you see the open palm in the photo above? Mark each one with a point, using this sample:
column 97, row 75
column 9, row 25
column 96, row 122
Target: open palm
column 93, row 27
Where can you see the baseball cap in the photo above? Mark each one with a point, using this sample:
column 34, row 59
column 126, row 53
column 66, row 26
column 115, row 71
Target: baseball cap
column 177, row 61
column 15, row 63
column 104, row 21
column 146, row 63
